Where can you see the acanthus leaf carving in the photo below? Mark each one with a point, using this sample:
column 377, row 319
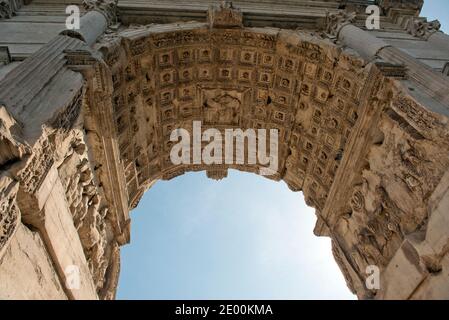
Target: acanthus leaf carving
column 421, row 28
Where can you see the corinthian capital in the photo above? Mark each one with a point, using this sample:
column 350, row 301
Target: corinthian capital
column 336, row 21
column 5, row 9
column 108, row 8
column 422, row 28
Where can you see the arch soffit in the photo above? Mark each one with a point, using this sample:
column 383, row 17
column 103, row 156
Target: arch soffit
column 300, row 83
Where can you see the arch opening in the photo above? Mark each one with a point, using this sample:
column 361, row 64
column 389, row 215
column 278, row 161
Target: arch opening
column 183, row 249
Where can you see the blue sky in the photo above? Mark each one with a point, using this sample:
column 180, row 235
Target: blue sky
column 245, row 237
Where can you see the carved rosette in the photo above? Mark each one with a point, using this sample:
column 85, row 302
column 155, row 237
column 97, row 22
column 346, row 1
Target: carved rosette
column 336, row 21
column 108, row 8
column 422, row 28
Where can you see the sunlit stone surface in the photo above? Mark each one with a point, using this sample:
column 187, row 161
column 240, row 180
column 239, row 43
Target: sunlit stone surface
column 86, row 118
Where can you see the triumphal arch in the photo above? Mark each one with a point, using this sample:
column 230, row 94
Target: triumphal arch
column 86, row 116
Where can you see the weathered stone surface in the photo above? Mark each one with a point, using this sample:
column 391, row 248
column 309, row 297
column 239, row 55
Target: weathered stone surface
column 422, row 28
column 9, row 212
column 66, row 247
column 85, row 127
column 9, row 7
column 225, row 16
column 26, row 269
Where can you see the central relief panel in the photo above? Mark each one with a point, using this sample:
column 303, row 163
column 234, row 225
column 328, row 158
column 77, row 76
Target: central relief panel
column 223, row 107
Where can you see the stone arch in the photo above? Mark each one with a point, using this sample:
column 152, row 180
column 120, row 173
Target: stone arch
column 305, row 86
column 363, row 137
